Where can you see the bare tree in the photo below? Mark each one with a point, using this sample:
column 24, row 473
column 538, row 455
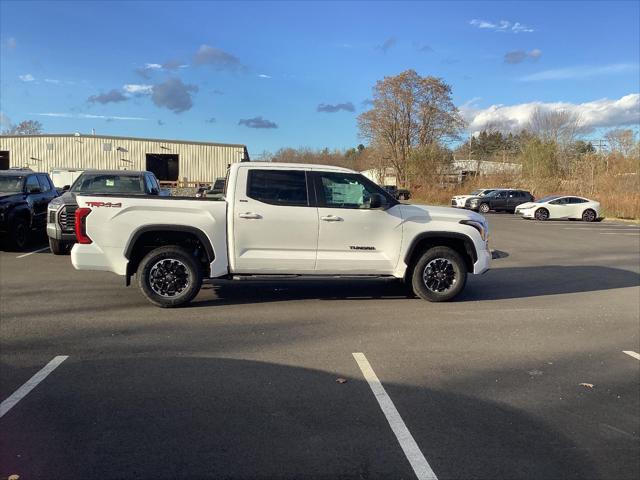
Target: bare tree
column 409, row 111
column 559, row 126
column 621, row 140
column 26, row 127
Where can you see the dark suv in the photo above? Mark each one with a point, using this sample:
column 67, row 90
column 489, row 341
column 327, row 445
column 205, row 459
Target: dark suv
column 24, row 196
column 61, row 216
column 499, row 200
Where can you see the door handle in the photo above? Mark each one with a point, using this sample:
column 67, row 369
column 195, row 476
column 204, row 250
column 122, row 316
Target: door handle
column 331, row 218
column 250, row 215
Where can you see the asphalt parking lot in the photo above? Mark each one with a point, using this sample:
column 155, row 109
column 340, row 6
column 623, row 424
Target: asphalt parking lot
column 524, row 377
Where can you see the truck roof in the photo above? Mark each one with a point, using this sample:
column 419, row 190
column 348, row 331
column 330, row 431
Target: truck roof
column 305, row 166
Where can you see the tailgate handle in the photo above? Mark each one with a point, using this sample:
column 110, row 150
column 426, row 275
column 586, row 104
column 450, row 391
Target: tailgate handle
column 250, row 215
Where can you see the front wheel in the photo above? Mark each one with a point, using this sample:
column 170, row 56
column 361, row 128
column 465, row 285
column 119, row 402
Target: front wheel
column 542, row 214
column 169, row 276
column 58, row 247
column 439, row 274
column 484, row 208
column 19, row 234
column 589, row 216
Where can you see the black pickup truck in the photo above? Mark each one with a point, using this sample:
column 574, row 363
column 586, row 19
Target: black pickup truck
column 24, row 196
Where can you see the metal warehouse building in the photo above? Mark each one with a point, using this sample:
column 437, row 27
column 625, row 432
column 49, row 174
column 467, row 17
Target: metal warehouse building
column 169, row 160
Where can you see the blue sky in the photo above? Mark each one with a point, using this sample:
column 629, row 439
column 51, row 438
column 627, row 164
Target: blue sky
column 276, row 74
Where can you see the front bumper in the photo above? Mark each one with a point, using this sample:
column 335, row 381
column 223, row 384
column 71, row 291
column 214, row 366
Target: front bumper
column 483, row 262
column 54, row 231
column 529, row 213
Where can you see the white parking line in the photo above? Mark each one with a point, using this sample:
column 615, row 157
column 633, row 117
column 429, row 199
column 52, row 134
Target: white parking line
column 31, row 253
column 32, row 383
column 618, row 233
column 632, row 354
column 420, row 466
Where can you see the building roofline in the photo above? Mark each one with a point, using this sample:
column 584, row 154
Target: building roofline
column 114, row 137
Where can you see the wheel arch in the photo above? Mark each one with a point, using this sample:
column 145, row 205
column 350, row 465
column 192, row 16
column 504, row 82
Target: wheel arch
column 460, row 242
column 159, row 235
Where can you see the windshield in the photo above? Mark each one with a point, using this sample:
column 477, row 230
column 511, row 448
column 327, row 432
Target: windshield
column 493, row 193
column 547, row 199
column 11, row 183
column 107, row 183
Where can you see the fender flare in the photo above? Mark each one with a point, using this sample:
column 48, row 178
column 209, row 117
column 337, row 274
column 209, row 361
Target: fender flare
column 467, row 240
column 200, row 235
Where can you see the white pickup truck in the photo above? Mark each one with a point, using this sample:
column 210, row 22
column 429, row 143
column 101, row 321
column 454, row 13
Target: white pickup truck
column 279, row 219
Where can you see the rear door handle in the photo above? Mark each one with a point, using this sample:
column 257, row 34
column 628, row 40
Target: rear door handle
column 331, row 218
column 250, row 215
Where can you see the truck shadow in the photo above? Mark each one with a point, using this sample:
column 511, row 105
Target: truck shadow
column 498, row 284
column 205, row 417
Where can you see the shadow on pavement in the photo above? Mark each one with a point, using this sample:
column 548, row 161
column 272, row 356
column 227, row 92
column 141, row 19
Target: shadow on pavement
column 203, row 417
column 501, row 283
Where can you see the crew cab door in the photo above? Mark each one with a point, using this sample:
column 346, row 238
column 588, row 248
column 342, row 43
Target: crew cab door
column 275, row 224
column 499, row 201
column 353, row 238
column 37, row 199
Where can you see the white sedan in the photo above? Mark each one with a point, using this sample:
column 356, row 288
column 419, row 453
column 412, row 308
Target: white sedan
column 556, row 207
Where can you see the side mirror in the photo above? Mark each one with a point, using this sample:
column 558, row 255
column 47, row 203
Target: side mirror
column 66, row 188
column 377, row 201
column 35, row 190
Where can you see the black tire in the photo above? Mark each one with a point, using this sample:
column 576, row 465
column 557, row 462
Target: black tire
column 19, row 234
column 169, row 276
column 439, row 260
column 589, row 215
column 484, row 208
column 59, row 247
column 541, row 214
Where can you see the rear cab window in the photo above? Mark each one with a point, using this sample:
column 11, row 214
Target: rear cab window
column 278, row 187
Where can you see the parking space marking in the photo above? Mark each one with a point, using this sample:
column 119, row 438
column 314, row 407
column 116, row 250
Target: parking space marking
column 31, row 253
column 618, row 233
column 632, row 354
column 420, row 466
column 32, row 383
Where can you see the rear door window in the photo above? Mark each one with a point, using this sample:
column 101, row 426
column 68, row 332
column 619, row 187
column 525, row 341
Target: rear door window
column 278, row 187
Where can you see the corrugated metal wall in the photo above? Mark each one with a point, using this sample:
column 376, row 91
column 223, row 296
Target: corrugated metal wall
column 197, row 161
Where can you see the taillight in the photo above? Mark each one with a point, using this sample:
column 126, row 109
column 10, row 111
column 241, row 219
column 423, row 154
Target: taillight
column 81, row 225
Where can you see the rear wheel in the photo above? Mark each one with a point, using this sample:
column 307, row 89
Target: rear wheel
column 484, row 208
column 58, row 247
column 589, row 216
column 542, row 214
column 169, row 276
column 439, row 274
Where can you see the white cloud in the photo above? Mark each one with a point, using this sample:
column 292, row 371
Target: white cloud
column 501, row 26
column 87, row 116
column 52, row 80
column 136, row 89
column 514, row 118
column 263, row 75
column 26, row 77
column 580, row 72
column 152, row 66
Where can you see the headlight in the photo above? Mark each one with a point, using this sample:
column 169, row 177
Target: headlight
column 53, row 205
column 482, row 227
column 474, row 201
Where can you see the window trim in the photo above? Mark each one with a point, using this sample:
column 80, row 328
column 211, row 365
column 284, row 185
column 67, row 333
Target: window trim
column 321, row 200
column 268, row 170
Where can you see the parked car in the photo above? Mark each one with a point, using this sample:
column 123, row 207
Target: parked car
column 279, row 219
column 458, row 201
column 398, row 193
column 556, row 207
column 61, row 211
column 24, row 196
column 216, row 190
column 499, row 200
